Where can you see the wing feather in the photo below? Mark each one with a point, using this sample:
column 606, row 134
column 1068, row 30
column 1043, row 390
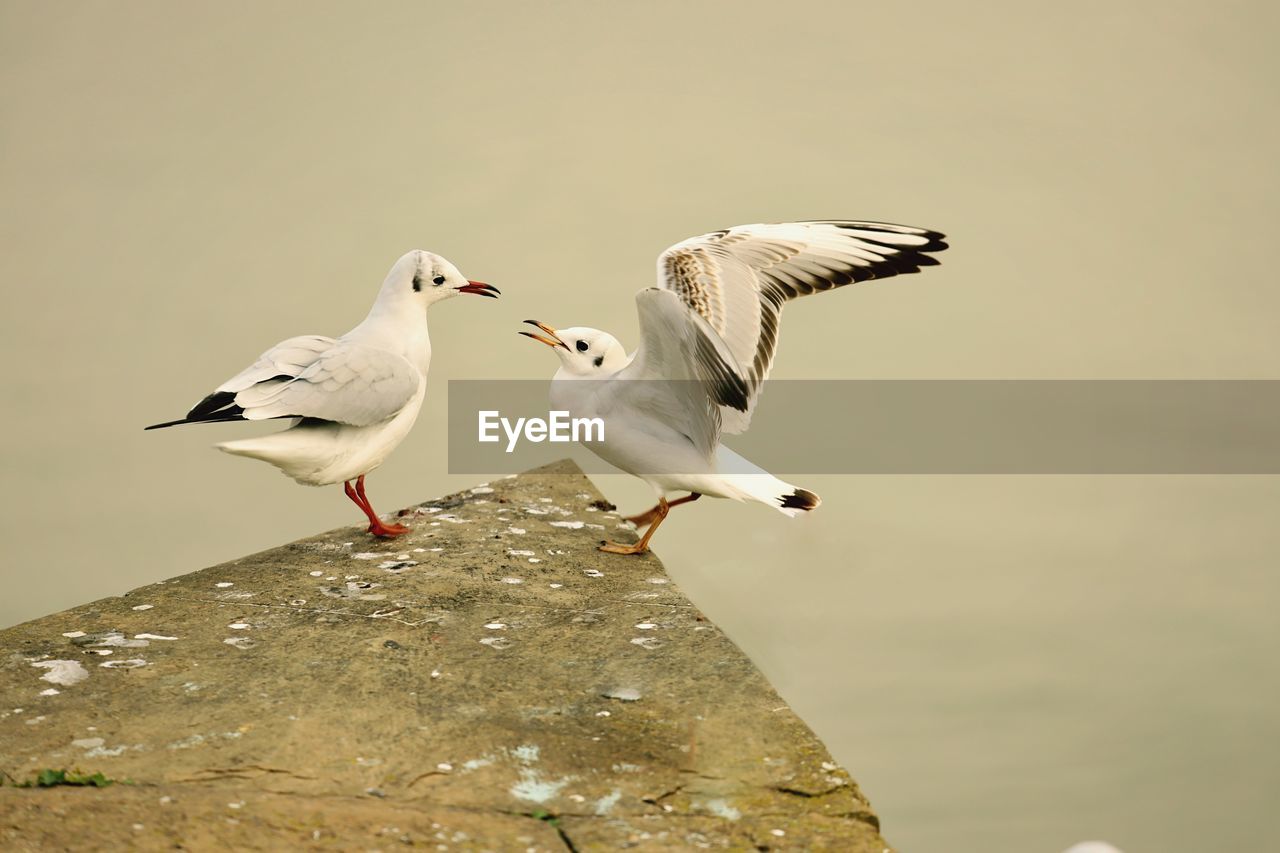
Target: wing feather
column 736, row 281
column 287, row 358
column 313, row 377
column 283, row 361
column 350, row 383
column 665, row 378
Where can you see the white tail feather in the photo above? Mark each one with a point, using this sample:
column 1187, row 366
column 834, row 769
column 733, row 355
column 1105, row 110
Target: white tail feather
column 754, row 483
column 300, row 452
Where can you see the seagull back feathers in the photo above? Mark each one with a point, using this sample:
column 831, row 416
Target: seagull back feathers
column 736, row 282
column 286, row 359
column 350, row 383
column 312, row 377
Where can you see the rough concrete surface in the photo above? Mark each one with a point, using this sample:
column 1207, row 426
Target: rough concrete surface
column 487, row 682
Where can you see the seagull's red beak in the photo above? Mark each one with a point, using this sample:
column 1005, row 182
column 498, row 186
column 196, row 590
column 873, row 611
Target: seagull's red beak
column 479, row 288
column 553, row 341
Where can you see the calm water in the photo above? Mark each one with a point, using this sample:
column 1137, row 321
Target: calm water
column 1004, row 663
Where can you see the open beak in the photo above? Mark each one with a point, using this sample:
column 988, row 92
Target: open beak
column 553, row 341
column 479, row 288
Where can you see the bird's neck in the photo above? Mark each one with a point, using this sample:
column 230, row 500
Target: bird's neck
column 564, row 374
column 401, row 329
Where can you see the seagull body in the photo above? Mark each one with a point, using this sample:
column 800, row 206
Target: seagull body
column 352, row 399
column 658, row 450
column 708, row 336
column 318, row 452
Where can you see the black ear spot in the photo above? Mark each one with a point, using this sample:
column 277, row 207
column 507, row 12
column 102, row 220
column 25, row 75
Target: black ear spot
column 599, row 360
column 417, row 282
column 583, row 346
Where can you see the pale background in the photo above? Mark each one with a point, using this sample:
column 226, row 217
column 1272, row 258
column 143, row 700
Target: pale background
column 1006, row 664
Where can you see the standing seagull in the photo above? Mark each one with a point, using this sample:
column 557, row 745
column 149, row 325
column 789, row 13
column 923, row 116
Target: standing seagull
column 708, row 333
column 353, row 398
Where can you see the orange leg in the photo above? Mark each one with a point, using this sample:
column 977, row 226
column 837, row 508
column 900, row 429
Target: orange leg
column 647, row 517
column 658, row 513
column 376, row 525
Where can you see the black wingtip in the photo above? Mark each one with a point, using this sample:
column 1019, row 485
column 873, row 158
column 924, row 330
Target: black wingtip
column 214, row 404
column 225, row 416
column 800, row 499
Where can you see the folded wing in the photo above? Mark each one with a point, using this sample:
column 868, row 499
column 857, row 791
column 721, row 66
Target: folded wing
column 313, row 377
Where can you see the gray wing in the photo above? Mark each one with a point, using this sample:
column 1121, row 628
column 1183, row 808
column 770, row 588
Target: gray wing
column 284, row 360
column 312, row 377
column 737, row 281
column 348, row 383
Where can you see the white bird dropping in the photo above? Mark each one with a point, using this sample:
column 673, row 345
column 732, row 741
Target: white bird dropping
column 708, row 334
column 352, row 399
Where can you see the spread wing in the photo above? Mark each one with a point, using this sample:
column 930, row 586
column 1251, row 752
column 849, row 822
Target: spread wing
column 313, row 377
column 736, row 282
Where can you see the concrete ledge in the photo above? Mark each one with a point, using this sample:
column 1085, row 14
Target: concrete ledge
column 489, row 681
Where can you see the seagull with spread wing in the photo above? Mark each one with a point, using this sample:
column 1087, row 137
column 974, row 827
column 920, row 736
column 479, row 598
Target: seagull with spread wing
column 352, row 399
column 708, row 334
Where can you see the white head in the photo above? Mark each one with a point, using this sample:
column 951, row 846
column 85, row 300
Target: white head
column 584, row 353
column 425, row 278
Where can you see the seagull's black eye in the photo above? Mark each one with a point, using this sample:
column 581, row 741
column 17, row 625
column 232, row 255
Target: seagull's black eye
column 583, row 346
column 438, row 280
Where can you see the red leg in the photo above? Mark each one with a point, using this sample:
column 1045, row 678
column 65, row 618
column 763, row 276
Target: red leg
column 355, row 499
column 376, row 526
